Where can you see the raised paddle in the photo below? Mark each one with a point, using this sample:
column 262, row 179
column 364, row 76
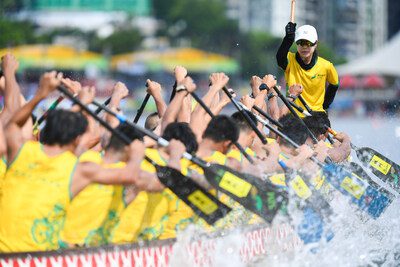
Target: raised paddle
column 141, row 109
column 203, row 203
column 286, row 102
column 246, row 116
column 300, row 109
column 292, row 10
column 44, row 116
column 207, row 109
column 264, row 199
column 303, row 101
column 97, row 111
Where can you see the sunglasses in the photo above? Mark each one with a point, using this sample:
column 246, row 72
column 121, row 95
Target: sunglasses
column 305, row 43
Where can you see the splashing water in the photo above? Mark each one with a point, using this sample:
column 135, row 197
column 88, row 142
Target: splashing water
column 358, row 239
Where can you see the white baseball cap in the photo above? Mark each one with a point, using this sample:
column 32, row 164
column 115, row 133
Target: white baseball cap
column 306, row 32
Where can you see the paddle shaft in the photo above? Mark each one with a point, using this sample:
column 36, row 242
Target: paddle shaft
column 300, row 109
column 305, row 104
column 292, row 10
column 286, row 102
column 140, row 110
column 98, row 110
column 161, row 141
column 208, row 110
column 52, row 106
column 246, row 116
column 265, row 114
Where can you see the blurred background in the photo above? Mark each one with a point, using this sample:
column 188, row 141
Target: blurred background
column 101, row 41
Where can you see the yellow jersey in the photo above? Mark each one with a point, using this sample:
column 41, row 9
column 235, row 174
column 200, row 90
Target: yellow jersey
column 3, row 169
column 313, row 80
column 152, row 216
column 95, row 210
column 236, row 154
column 36, row 193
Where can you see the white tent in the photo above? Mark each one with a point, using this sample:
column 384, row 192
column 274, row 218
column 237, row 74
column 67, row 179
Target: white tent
column 385, row 61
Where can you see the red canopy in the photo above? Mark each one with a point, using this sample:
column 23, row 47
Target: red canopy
column 348, row 81
column 373, row 81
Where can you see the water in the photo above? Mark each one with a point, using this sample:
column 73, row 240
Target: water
column 358, row 241
column 379, row 133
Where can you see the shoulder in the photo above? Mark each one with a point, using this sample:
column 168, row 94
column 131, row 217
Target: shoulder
column 291, row 56
column 324, row 62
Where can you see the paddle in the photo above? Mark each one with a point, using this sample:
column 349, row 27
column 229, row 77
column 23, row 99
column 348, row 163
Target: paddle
column 264, row 122
column 262, row 112
column 300, row 109
column 142, row 106
column 384, row 168
column 287, row 104
column 300, row 97
column 97, row 111
column 250, row 191
column 207, row 109
column 246, row 116
column 360, row 192
column 44, row 116
column 202, row 202
column 359, row 172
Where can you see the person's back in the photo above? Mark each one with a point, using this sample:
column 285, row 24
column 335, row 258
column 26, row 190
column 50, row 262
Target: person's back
column 36, row 187
column 95, row 211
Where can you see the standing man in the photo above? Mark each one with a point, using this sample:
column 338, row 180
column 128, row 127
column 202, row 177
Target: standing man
column 306, row 68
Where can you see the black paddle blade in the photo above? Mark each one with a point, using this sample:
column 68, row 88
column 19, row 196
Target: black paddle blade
column 202, row 203
column 359, row 171
column 256, row 195
column 381, row 166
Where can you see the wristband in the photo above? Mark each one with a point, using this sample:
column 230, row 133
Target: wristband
column 294, row 97
column 263, row 86
column 270, row 95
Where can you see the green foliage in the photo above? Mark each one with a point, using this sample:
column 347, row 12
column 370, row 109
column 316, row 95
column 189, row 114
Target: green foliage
column 16, row 33
column 10, row 5
column 258, row 51
column 121, row 41
column 203, row 22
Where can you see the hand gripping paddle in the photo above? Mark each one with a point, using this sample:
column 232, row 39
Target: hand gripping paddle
column 244, row 188
column 203, row 203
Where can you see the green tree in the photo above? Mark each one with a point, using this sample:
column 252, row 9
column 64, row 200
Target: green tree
column 14, row 33
column 203, row 22
column 120, row 41
column 257, row 54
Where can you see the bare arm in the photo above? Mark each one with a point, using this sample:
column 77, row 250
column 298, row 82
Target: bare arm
column 88, row 172
column 174, row 107
column 199, row 115
column 13, row 130
column 154, row 89
column 341, row 152
column 12, row 94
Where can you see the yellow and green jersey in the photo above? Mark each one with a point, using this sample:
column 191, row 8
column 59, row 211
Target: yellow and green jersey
column 95, row 210
column 153, row 216
column 313, row 80
column 36, row 194
column 3, row 169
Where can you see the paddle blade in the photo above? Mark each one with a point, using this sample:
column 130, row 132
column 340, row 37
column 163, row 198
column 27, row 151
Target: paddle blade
column 256, row 195
column 366, row 197
column 202, row 203
column 359, row 171
column 381, row 166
